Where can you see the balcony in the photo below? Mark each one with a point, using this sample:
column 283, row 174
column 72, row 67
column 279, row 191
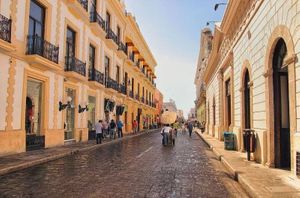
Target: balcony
column 112, row 84
column 142, row 99
column 5, row 34
column 111, row 39
column 96, row 76
column 79, row 8
column 97, row 24
column 122, row 89
column 137, row 97
column 130, row 59
column 131, row 94
column 75, row 68
column 41, row 53
column 122, row 50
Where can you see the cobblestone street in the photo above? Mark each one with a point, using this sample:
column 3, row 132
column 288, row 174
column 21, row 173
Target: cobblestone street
column 136, row 167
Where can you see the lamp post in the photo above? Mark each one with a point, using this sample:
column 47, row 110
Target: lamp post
column 218, row 4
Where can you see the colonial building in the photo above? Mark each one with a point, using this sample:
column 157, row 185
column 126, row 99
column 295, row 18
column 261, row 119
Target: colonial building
column 158, row 101
column 252, row 79
column 64, row 65
column 205, row 49
column 170, row 106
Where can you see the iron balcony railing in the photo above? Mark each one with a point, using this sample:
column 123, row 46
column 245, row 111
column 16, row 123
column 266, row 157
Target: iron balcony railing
column 37, row 45
column 122, row 89
column 131, row 94
column 75, row 65
column 131, row 57
column 96, row 18
column 122, row 47
column 95, row 75
column 84, row 4
column 111, row 35
column 110, row 83
column 137, row 97
column 5, row 28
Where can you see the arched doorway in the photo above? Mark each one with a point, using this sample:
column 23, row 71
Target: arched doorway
column 281, row 107
column 247, row 111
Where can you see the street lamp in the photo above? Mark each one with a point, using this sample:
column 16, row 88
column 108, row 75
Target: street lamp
column 218, row 4
column 62, row 106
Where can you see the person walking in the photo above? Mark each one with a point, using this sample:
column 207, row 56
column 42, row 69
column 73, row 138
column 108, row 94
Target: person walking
column 165, row 132
column 105, row 129
column 134, row 125
column 99, row 131
column 112, row 129
column 190, row 128
column 120, row 126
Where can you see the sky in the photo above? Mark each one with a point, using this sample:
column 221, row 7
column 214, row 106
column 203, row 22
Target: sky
column 172, row 29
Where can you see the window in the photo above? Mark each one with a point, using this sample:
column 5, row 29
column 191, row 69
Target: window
column 91, row 113
column 107, row 20
column 139, row 89
column 126, row 81
column 118, row 74
column 70, row 42
column 132, row 85
column 107, row 69
column 228, row 101
column 92, row 57
column 118, row 33
column 36, row 19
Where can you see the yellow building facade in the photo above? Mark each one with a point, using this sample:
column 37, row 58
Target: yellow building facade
column 65, row 64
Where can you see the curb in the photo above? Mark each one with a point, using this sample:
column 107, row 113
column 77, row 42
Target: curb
column 234, row 173
column 65, row 154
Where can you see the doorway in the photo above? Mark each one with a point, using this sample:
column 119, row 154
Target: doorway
column 70, row 116
column 33, row 117
column 281, row 107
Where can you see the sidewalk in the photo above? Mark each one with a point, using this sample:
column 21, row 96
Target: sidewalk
column 256, row 179
column 28, row 159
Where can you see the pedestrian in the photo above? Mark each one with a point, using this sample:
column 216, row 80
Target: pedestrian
column 190, row 128
column 120, row 126
column 112, row 129
column 105, row 129
column 99, row 131
column 165, row 132
column 135, row 125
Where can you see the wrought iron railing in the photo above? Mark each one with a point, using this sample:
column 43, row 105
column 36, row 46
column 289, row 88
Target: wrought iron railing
column 110, row 83
column 122, row 89
column 95, row 75
column 131, row 57
column 84, row 4
column 5, row 28
column 122, row 47
column 96, row 18
column 137, row 97
column 111, row 35
column 131, row 94
column 37, row 45
column 75, row 65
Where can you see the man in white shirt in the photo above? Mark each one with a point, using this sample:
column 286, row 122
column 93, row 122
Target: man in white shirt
column 165, row 133
column 98, row 127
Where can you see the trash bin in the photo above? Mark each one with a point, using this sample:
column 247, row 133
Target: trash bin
column 229, row 141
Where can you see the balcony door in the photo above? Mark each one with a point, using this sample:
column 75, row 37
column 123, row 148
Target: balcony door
column 70, row 42
column 36, row 20
column 107, row 69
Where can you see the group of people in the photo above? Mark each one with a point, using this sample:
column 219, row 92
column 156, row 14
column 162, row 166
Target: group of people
column 169, row 132
column 112, row 129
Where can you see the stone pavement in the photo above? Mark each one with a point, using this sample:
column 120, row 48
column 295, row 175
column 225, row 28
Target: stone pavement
column 15, row 162
column 134, row 167
column 256, row 179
